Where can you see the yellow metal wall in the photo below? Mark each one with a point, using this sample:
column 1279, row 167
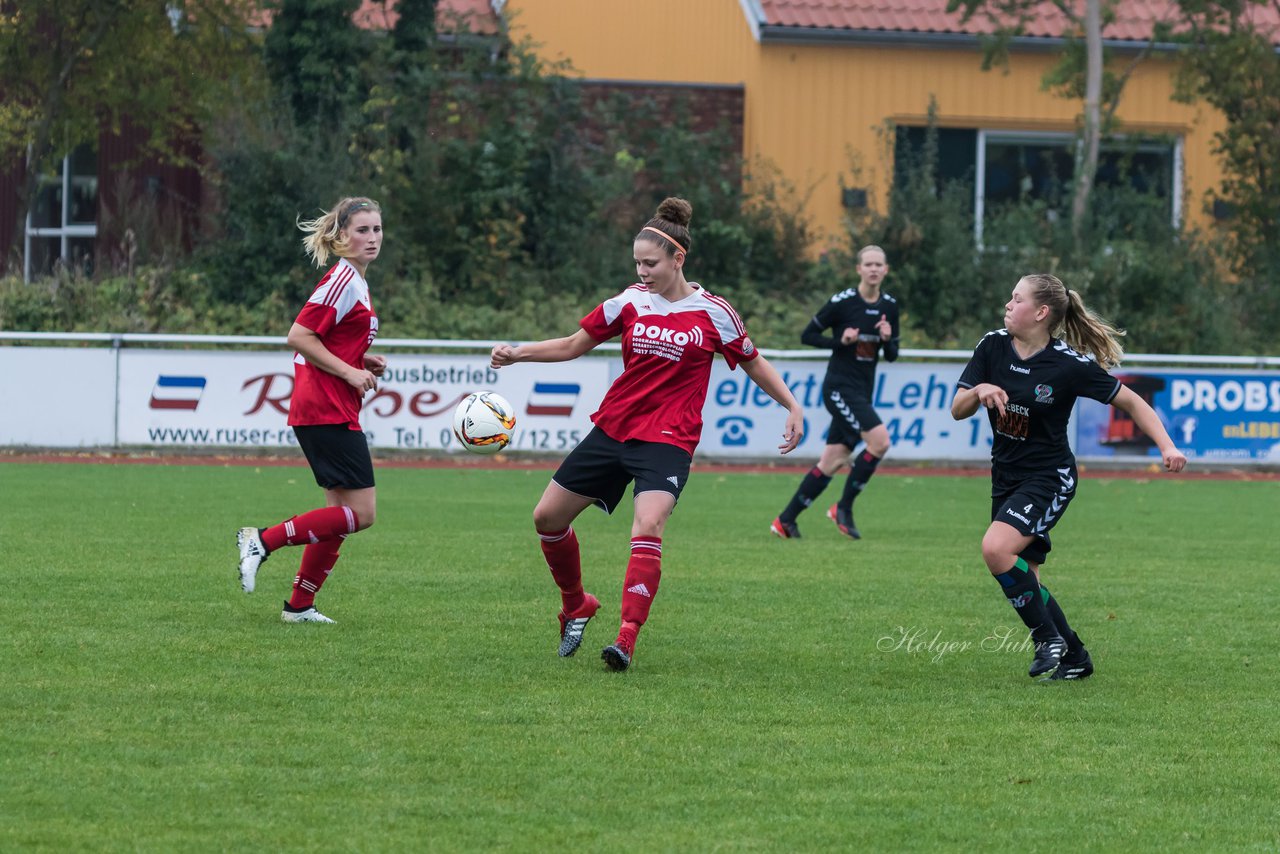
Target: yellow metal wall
column 680, row 41
column 809, row 107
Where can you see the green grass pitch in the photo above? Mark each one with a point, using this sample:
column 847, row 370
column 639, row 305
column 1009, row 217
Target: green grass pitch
column 786, row 696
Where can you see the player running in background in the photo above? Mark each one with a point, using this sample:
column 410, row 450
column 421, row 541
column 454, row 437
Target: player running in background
column 332, row 372
column 649, row 422
column 864, row 322
column 1029, row 381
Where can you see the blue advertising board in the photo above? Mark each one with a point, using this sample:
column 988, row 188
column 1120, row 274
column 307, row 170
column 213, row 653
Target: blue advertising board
column 1210, row 415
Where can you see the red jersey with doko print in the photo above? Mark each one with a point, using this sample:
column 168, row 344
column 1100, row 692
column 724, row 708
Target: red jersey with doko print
column 667, row 350
column 341, row 313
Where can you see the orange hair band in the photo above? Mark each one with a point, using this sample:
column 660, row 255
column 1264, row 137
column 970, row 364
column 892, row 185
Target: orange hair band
column 672, row 240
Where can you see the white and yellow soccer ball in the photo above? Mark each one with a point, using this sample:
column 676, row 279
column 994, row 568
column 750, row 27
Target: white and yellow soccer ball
column 484, row 422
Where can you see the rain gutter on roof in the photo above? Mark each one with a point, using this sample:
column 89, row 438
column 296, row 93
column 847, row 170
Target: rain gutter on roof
column 658, row 84
column 773, row 34
column 754, row 13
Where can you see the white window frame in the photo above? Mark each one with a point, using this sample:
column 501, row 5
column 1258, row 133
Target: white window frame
column 1068, row 140
column 66, row 231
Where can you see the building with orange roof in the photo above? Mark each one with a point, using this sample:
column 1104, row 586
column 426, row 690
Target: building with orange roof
column 823, row 80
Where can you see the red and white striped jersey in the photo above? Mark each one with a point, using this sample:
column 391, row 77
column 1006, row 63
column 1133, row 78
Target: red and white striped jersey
column 667, row 350
column 341, row 313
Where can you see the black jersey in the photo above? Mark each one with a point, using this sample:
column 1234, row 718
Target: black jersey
column 856, row 362
column 1032, row 434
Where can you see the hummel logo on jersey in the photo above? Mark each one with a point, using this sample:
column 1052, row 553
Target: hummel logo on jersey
column 640, row 590
column 1019, row 370
column 1064, row 347
column 675, row 481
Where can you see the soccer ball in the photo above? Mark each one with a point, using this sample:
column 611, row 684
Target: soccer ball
column 483, row 422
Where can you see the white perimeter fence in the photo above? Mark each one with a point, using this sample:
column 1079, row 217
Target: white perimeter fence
column 214, row 392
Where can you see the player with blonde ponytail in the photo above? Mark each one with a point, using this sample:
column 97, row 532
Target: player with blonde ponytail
column 332, row 372
column 327, row 234
column 1029, row 381
column 1072, row 321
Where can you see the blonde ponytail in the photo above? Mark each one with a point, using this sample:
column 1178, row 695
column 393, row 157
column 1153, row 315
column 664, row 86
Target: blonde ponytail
column 323, row 236
column 1072, row 321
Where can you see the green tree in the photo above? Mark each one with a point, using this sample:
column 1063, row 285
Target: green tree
column 1232, row 65
column 314, row 53
column 1081, row 72
column 72, row 69
column 928, row 236
column 415, row 28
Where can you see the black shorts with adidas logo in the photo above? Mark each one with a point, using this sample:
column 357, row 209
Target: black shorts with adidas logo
column 600, row 469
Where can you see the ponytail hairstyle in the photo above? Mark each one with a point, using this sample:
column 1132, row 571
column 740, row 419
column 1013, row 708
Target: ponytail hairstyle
column 669, row 227
column 324, row 235
column 1074, row 323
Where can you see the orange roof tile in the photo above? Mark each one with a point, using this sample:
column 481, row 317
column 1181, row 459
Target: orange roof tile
column 452, row 16
column 1134, row 18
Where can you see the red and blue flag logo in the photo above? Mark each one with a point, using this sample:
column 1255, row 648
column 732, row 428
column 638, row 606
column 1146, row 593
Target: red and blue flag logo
column 177, row 392
column 553, row 399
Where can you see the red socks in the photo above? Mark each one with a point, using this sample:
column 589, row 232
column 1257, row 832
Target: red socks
column 322, row 531
column 560, row 548
column 317, row 562
column 326, row 523
column 640, row 585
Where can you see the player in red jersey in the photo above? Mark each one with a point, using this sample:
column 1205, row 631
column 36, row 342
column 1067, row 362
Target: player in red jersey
column 332, row 372
column 1028, row 381
column 648, row 423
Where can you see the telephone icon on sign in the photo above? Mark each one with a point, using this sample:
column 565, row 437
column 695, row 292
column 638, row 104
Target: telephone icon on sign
column 734, row 429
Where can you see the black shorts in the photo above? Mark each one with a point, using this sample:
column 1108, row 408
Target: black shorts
column 1033, row 504
column 339, row 456
column 851, row 414
column 600, row 469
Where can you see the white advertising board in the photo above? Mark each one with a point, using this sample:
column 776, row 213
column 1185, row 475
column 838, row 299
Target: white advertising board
column 228, row 399
column 87, row 397
column 913, row 400
column 218, row 398
column 57, row 397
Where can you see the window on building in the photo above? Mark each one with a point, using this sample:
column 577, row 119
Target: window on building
column 62, row 222
column 1008, row 167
